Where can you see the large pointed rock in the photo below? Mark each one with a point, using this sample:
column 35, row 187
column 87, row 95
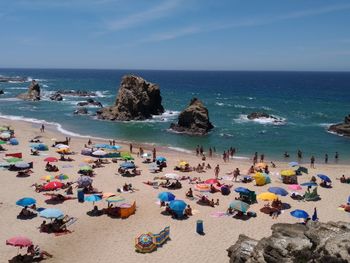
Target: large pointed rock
column 193, row 120
column 341, row 128
column 33, row 93
column 137, row 100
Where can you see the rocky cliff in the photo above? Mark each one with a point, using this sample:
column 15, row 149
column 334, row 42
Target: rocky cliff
column 33, row 92
column 193, row 120
column 137, row 100
column 342, row 128
column 314, row 242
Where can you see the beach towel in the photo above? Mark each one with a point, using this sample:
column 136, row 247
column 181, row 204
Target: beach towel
column 218, row 214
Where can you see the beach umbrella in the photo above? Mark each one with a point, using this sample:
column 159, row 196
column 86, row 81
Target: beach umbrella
column 324, row 178
column 293, row 164
column 177, row 205
column 166, row 196
column 127, row 165
column 161, row 159
column 47, row 177
column 288, row 172
column 126, row 156
column 260, row 166
column 267, row 196
column 294, row 187
column 22, row 165
column 5, row 135
column 278, row 191
column 92, row 198
column 2, row 142
column 51, row 159
column 146, row 155
column 211, row 181
column 107, row 146
column 53, row 185
column 86, row 168
column 299, row 214
column 62, row 177
column 14, row 141
column 84, row 181
column 242, row 190
column 202, row 187
column 99, row 153
column 13, row 160
column 51, row 213
column 63, row 150
column 26, row 201
column 239, row 205
column 172, row 176
column 61, row 146
column 145, row 243
column 88, row 160
column 308, row 184
column 115, row 199
column 183, row 163
column 153, row 167
column 261, row 179
column 19, row 241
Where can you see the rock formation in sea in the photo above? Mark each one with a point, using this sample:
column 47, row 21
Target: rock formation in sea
column 341, row 128
column 313, row 242
column 264, row 116
column 56, row 96
column 89, row 102
column 193, row 120
column 137, row 100
column 2, row 92
column 33, row 93
column 81, row 111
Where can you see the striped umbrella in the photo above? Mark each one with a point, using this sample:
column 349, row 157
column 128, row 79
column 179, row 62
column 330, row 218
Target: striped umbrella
column 202, row 187
column 145, row 243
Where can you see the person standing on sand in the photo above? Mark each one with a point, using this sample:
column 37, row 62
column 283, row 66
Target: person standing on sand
column 312, row 162
column 262, row 157
column 300, row 154
column 336, row 157
column 130, row 147
column 255, row 158
column 42, row 129
column 326, row 158
column 197, row 150
column 210, row 152
column 154, row 154
column 216, row 171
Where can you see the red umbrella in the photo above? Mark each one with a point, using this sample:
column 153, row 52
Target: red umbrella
column 211, row 181
column 53, row 185
column 51, row 159
column 19, row 242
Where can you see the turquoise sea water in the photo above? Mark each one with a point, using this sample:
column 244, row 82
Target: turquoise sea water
column 306, row 101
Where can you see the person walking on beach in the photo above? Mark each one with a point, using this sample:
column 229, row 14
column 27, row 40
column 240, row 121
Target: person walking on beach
column 216, row 171
column 201, row 150
column 326, row 158
column 262, row 157
column 130, row 147
column 312, row 162
column 42, row 129
column 336, row 157
column 255, row 158
column 197, row 150
column 154, row 154
column 300, row 154
column 210, row 152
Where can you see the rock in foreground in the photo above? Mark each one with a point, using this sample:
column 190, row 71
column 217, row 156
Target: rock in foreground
column 315, row 242
column 342, row 128
column 137, row 100
column 193, row 120
column 33, row 93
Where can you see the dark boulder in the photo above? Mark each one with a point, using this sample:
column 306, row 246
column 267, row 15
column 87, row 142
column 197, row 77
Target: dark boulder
column 137, row 100
column 90, row 102
column 341, row 128
column 193, row 120
column 81, row 111
column 56, row 97
column 33, row 93
column 2, row 92
column 77, row 93
column 259, row 115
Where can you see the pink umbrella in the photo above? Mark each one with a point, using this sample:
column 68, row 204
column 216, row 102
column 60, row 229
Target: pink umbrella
column 19, row 242
column 211, row 181
column 294, row 187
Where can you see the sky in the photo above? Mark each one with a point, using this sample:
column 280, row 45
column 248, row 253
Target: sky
column 176, row 34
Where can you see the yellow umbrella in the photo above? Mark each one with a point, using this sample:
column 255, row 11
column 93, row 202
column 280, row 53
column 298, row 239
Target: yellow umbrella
column 88, row 160
column 288, row 172
column 63, row 150
column 267, row 196
column 183, row 163
column 260, row 166
column 259, row 179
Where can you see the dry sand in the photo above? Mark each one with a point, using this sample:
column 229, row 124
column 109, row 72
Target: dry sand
column 103, row 239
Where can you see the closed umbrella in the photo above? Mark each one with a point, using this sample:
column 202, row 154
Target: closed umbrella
column 51, row 213
column 26, row 201
column 166, row 196
column 21, row 165
column 299, row 214
column 278, row 191
column 51, row 159
column 324, row 178
column 314, row 216
column 239, row 205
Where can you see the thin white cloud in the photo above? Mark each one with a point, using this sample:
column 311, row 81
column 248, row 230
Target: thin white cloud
column 172, row 35
column 162, row 10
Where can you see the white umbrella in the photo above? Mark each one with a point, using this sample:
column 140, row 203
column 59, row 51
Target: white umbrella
column 146, row 155
column 172, row 176
column 61, row 146
column 5, row 135
column 22, row 165
column 99, row 153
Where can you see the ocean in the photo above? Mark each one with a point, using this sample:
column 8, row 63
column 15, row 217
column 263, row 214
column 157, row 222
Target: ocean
column 306, row 102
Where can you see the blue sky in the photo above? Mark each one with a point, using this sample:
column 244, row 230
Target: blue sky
column 176, row 34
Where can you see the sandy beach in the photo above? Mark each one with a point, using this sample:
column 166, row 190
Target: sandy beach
column 104, row 239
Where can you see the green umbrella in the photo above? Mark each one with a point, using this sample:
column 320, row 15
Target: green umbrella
column 2, row 142
column 85, row 168
column 13, row 160
column 126, row 156
column 239, row 205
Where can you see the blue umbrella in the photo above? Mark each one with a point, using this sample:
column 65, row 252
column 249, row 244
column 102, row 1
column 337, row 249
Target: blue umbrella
column 127, row 165
column 161, row 159
column 292, row 164
column 299, row 214
column 22, row 165
column 93, row 198
column 349, row 199
column 13, row 141
column 242, row 190
column 309, row 184
column 324, row 178
column 51, row 213
column 166, row 196
column 26, row 201
column 278, row 191
column 107, row 146
column 177, row 205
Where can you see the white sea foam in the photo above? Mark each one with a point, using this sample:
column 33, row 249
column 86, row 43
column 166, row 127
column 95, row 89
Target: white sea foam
column 239, row 106
column 10, row 99
column 178, row 149
column 219, row 103
column 265, row 121
column 325, row 124
column 16, row 88
column 266, row 108
column 226, row 135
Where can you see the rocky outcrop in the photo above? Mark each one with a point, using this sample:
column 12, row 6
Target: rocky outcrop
column 56, row 97
column 81, row 111
column 137, row 100
column 314, row 242
column 259, row 115
column 341, row 128
column 2, row 92
column 193, row 120
column 90, row 102
column 77, row 93
column 33, row 93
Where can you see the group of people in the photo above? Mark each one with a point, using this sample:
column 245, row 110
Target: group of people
column 51, row 168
